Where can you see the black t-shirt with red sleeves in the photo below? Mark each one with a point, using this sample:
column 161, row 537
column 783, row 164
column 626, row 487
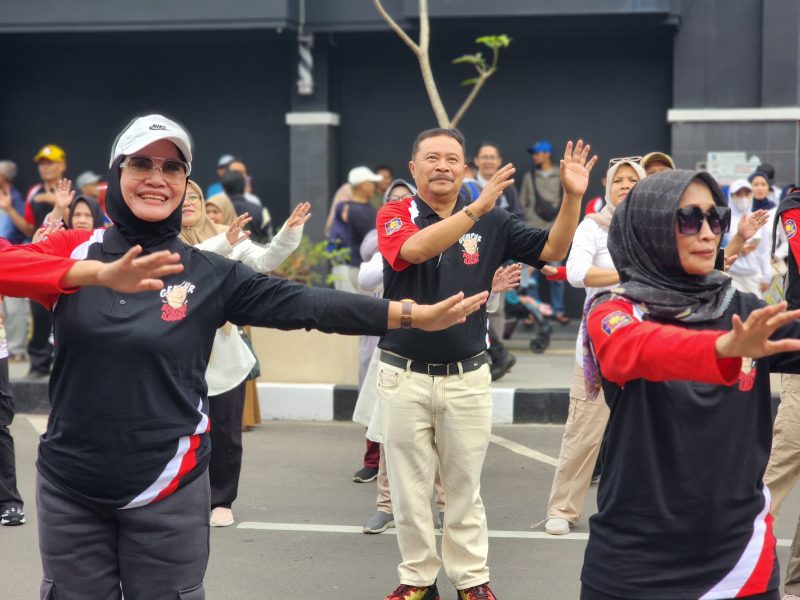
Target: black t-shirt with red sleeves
column 467, row 266
column 682, row 509
column 129, row 420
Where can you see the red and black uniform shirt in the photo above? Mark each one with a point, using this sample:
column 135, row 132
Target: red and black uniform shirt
column 467, row 266
column 682, row 510
column 789, row 213
column 129, row 398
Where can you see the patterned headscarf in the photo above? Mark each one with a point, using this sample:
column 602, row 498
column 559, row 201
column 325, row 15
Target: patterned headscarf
column 204, row 228
column 642, row 244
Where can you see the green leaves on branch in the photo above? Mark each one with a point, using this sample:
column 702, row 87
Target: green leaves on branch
column 477, row 60
column 495, row 42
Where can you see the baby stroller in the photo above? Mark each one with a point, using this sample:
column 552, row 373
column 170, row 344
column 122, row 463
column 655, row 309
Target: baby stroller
column 520, row 308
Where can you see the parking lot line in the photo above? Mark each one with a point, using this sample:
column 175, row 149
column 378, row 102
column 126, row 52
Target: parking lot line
column 523, row 450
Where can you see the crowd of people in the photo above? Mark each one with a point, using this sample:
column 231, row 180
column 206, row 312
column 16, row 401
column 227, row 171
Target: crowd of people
column 669, row 403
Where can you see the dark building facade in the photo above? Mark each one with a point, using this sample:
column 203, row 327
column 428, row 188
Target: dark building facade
column 629, row 76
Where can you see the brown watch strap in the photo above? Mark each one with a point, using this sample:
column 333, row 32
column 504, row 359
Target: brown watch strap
column 405, row 314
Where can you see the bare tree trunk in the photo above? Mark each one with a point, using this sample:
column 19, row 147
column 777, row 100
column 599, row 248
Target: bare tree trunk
column 421, row 52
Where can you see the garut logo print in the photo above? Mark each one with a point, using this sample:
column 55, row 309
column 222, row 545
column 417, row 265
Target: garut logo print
column 175, row 301
column 469, row 242
column 747, row 376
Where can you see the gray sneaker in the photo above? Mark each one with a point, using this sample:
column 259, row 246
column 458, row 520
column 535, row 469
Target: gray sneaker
column 379, row 522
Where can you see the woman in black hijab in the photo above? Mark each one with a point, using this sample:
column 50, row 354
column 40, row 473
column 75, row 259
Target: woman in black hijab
column 684, row 361
column 122, row 485
column 84, row 213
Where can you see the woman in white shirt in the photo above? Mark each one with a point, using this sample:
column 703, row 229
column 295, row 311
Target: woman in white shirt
column 231, row 360
column 589, row 266
column 752, row 271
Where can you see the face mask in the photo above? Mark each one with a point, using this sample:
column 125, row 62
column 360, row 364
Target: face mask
column 742, row 205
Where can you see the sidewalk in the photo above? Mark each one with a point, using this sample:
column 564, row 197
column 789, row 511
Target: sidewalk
column 535, row 390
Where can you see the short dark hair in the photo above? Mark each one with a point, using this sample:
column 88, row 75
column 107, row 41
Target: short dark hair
column 383, row 168
column 487, row 143
column 436, row 132
column 233, row 183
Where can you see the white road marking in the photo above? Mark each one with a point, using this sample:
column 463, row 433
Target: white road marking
column 38, row 422
column 523, row 450
column 317, row 528
column 519, row 535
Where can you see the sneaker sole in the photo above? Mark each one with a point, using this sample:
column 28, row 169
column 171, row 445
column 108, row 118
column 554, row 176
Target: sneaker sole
column 222, row 523
column 12, row 523
column 362, row 480
column 388, row 525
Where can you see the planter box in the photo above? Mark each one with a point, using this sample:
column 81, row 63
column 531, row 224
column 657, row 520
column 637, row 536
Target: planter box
column 306, row 356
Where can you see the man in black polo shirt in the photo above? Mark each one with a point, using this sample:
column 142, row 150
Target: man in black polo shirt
column 434, row 389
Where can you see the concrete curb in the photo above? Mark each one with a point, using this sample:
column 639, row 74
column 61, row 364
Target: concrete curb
column 330, row 402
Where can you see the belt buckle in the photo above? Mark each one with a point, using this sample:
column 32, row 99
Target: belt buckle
column 428, row 368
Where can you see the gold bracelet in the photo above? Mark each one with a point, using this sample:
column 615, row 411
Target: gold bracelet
column 470, row 214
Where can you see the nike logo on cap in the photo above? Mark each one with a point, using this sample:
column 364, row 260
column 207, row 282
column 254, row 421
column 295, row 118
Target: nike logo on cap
column 157, row 127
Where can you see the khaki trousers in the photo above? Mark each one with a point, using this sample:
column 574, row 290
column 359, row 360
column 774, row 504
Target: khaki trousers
column 783, row 469
column 384, row 502
column 580, row 445
column 450, row 418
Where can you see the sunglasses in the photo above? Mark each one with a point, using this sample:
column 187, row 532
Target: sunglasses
column 690, row 219
column 143, row 167
column 624, row 159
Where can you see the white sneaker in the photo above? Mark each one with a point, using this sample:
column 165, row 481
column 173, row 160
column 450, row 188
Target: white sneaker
column 221, row 517
column 557, row 526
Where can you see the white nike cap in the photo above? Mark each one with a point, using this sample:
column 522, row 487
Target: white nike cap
column 148, row 129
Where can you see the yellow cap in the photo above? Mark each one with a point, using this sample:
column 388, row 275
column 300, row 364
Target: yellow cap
column 50, row 152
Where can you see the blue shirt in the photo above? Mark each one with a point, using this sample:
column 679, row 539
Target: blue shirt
column 7, row 228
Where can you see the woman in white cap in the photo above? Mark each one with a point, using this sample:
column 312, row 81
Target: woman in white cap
column 122, row 484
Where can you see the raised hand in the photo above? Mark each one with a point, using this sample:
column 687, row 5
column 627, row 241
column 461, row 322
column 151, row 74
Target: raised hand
column 236, row 233
column 50, row 228
column 574, row 168
column 506, row 278
column 300, row 215
column 64, row 194
column 444, row 314
column 751, row 223
column 493, row 190
column 135, row 273
column 751, row 338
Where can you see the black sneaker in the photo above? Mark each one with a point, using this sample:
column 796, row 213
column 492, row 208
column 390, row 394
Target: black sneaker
column 502, row 367
column 365, row 475
column 12, row 516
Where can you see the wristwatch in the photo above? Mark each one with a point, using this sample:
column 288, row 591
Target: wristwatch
column 405, row 314
column 471, row 214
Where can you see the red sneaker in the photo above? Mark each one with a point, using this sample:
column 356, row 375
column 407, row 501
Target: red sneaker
column 479, row 592
column 409, row 592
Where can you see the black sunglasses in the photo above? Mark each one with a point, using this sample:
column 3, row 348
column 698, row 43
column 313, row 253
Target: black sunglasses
column 690, row 219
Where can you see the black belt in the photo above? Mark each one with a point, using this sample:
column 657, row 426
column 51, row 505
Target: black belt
column 435, row 369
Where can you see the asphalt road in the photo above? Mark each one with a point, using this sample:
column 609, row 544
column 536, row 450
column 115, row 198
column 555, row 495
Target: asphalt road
column 299, row 516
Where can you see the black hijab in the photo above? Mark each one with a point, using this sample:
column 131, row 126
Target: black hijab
column 134, row 230
column 94, row 208
column 642, row 244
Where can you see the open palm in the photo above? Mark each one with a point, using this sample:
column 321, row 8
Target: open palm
column 575, row 169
